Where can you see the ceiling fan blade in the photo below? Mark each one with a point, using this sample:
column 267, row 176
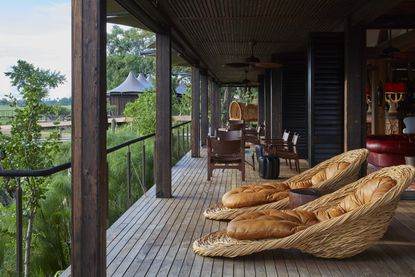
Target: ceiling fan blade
column 268, row 65
column 403, row 55
column 237, row 65
column 390, row 50
column 253, row 84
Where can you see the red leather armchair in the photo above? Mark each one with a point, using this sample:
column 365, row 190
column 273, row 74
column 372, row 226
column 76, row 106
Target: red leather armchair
column 389, row 150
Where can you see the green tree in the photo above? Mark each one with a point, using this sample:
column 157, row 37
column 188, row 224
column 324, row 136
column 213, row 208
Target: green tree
column 124, row 49
column 22, row 149
column 182, row 105
column 143, row 112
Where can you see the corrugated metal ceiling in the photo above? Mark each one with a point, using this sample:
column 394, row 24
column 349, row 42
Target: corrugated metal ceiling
column 221, row 29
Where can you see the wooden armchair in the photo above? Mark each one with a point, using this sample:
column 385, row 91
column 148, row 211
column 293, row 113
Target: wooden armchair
column 274, row 142
column 225, row 154
column 236, row 125
column 252, row 135
column 229, row 135
column 288, row 152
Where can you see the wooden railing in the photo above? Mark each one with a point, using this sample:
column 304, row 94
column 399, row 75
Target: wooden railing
column 183, row 134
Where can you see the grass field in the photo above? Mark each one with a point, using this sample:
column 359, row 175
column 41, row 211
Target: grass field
column 6, row 108
column 7, row 112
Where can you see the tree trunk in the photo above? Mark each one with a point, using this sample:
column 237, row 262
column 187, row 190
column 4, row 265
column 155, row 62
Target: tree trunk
column 28, row 242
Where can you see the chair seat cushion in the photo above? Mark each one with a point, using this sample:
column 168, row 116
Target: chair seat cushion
column 255, row 194
column 329, row 172
column 274, row 223
column 269, row 224
column 258, row 194
column 300, row 184
column 226, row 158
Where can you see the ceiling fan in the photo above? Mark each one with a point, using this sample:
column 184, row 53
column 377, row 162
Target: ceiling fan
column 389, row 51
column 394, row 53
column 246, row 82
column 253, row 62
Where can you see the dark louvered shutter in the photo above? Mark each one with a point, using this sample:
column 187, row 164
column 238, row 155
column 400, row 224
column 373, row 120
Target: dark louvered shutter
column 294, row 115
column 325, row 95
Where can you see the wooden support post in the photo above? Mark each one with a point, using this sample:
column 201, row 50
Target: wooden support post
column 267, row 98
column 276, row 103
column 261, row 100
column 378, row 113
column 163, row 116
column 204, row 108
column 213, row 109
column 89, row 125
column 354, row 87
column 195, row 112
column 218, row 116
column 374, row 98
column 226, row 103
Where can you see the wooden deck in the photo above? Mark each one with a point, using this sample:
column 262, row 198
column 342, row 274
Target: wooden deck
column 154, row 237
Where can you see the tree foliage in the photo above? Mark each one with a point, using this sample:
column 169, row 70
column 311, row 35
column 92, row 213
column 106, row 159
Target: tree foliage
column 182, row 105
column 124, row 48
column 22, row 150
column 143, row 112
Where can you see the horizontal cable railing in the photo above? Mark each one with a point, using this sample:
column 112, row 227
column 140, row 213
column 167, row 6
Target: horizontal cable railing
column 182, row 147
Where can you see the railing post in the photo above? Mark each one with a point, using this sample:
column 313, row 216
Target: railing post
column 19, row 229
column 143, row 164
column 183, row 142
column 178, row 143
column 129, row 174
column 187, row 136
column 154, row 162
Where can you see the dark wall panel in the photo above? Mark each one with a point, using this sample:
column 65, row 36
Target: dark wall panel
column 325, row 95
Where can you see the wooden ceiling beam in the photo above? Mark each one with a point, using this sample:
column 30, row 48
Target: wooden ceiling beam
column 393, row 22
column 256, row 18
column 372, row 10
column 404, row 42
column 154, row 23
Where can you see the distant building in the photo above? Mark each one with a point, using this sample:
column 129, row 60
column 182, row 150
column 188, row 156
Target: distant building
column 126, row 92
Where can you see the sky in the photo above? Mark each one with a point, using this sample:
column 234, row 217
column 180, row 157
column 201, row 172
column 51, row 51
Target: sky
column 39, row 32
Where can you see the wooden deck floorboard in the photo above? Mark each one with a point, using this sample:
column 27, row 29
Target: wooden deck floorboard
column 154, row 237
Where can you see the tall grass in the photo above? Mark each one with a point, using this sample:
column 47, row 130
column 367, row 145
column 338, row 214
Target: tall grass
column 51, row 243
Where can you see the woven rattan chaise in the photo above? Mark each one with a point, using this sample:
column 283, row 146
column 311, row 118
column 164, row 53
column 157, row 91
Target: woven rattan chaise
column 338, row 237
column 356, row 158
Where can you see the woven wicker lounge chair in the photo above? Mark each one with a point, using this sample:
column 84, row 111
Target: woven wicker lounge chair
column 356, row 158
column 339, row 237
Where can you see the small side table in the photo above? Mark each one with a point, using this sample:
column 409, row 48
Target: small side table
column 300, row 197
column 410, row 160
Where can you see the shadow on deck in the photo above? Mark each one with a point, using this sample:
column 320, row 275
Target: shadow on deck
column 154, row 237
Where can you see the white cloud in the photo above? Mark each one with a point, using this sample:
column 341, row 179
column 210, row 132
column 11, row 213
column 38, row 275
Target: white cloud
column 41, row 36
